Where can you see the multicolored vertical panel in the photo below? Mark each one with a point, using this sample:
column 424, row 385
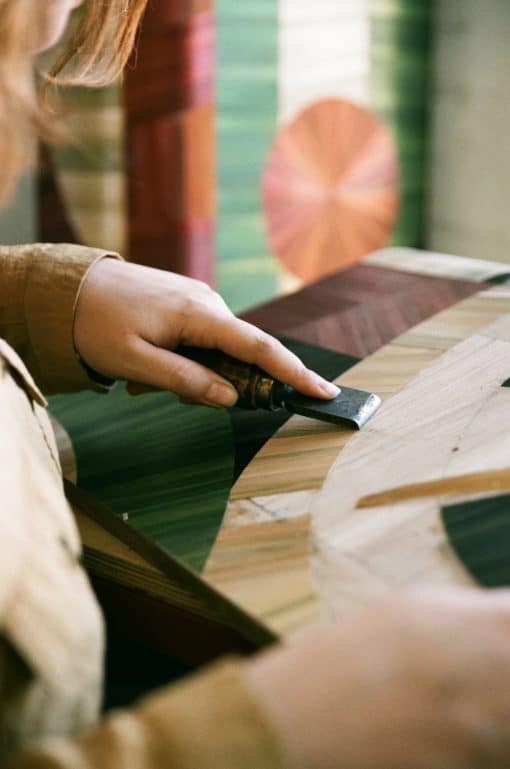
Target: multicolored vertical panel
column 142, row 178
column 168, row 98
column 139, row 176
column 247, row 101
column 84, row 185
column 297, row 55
column 400, row 66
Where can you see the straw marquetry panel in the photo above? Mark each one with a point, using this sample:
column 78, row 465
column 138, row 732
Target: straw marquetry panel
column 271, row 576
column 260, row 562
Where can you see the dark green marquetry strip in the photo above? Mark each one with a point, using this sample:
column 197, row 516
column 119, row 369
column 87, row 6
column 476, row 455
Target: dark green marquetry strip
column 497, row 280
column 401, row 56
column 506, row 383
column 167, row 465
column 479, row 532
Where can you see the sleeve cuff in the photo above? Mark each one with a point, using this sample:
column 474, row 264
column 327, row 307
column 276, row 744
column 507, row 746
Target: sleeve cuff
column 54, row 280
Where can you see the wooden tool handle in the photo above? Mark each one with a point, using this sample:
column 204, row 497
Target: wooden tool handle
column 255, row 387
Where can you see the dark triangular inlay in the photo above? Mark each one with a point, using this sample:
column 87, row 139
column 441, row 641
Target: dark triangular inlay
column 479, row 532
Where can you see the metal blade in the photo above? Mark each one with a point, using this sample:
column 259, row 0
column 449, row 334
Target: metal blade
column 351, row 408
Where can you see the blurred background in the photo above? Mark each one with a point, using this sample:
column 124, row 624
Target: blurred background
column 259, row 145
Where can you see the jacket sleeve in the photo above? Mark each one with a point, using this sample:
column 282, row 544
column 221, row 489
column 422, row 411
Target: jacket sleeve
column 211, row 720
column 39, row 287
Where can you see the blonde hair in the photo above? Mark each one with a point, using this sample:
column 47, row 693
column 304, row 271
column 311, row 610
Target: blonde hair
column 95, row 53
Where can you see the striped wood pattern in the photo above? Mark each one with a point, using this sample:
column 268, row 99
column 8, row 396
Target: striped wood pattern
column 261, row 558
column 164, row 466
column 357, row 311
column 449, row 421
column 90, row 171
column 119, row 573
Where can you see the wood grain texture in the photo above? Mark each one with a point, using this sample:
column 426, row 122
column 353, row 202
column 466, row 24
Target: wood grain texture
column 449, row 420
column 122, row 559
column 474, row 483
column 276, row 495
column 356, row 311
column 330, row 188
column 261, row 558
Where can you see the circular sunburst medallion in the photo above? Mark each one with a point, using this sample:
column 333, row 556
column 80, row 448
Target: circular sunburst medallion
column 330, row 189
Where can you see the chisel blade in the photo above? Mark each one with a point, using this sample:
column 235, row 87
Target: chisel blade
column 351, row 408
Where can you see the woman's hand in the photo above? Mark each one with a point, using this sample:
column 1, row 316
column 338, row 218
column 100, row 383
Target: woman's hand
column 419, row 682
column 129, row 318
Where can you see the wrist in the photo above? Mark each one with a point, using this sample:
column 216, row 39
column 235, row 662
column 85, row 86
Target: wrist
column 83, row 314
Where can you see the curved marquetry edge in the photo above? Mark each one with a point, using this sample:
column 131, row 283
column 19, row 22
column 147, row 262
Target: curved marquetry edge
column 261, row 558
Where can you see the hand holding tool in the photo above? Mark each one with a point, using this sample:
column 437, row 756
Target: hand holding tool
column 257, row 389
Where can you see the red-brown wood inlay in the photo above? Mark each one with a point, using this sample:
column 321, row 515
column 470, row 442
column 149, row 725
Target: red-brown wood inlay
column 357, row 311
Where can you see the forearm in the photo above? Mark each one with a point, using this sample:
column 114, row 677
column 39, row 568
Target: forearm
column 212, row 720
column 39, row 286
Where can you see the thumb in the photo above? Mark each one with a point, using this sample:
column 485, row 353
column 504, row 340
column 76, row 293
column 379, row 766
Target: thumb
column 192, row 382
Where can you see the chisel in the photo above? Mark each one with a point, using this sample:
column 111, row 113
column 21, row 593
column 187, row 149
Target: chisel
column 257, row 389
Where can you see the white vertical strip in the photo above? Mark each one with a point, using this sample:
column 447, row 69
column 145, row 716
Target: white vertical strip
column 324, row 51
column 470, row 152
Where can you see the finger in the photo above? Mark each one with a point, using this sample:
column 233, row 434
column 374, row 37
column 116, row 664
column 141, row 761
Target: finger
column 192, row 382
column 250, row 344
column 136, row 388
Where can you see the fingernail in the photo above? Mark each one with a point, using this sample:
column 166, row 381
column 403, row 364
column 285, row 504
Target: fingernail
column 220, row 394
column 328, row 388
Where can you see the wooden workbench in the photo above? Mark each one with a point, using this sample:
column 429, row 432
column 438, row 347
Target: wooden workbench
column 261, row 561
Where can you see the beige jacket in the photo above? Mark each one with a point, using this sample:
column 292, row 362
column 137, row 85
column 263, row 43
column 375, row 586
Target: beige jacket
column 51, row 631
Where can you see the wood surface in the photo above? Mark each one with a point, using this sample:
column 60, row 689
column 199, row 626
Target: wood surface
column 262, row 557
column 357, row 311
column 471, row 483
column 449, row 420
